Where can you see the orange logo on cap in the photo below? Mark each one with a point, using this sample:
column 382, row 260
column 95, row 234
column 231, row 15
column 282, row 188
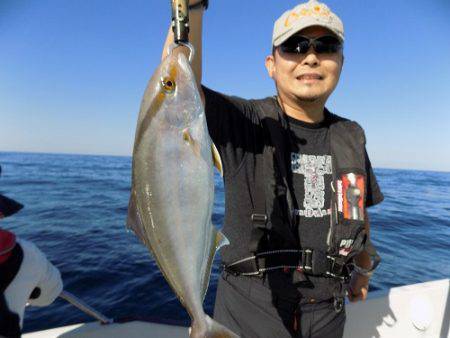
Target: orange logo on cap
column 303, row 12
column 293, row 15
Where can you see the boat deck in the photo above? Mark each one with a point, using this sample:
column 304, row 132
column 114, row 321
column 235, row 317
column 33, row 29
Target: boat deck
column 419, row 310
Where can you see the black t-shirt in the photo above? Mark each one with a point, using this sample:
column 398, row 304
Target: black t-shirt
column 236, row 129
column 311, row 166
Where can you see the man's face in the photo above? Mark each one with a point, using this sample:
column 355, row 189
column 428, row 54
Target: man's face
column 309, row 77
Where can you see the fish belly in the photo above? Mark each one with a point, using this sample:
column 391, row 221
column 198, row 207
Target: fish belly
column 175, row 202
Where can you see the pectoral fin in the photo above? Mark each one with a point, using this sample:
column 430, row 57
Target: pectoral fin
column 191, row 141
column 216, row 159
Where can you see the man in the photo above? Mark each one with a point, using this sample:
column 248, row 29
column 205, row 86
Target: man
column 297, row 184
column 26, row 276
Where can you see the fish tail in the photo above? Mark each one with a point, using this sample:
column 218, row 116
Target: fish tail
column 212, row 330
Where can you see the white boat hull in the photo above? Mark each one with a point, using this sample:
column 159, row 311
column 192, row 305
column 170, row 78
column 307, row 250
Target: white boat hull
column 127, row 330
column 418, row 310
column 410, row 311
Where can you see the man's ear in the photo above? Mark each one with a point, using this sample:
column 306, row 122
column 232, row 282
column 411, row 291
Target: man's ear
column 270, row 65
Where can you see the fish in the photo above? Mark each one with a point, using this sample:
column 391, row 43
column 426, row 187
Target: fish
column 172, row 190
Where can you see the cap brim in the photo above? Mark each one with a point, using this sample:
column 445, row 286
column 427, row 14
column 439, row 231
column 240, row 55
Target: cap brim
column 8, row 206
column 299, row 27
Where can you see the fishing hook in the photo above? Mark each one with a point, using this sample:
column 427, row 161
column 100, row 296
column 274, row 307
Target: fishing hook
column 185, row 44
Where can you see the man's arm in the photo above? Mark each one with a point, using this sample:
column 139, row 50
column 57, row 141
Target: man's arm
column 359, row 284
column 195, row 38
column 363, row 259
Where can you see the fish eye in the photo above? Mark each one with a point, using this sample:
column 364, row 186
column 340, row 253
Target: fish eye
column 168, row 84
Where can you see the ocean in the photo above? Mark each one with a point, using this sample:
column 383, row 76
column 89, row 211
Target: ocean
column 75, row 211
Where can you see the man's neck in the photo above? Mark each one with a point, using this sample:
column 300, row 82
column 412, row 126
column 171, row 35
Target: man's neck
column 309, row 112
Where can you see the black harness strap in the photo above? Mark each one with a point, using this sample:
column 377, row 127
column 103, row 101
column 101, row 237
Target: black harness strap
column 273, row 155
column 259, row 218
column 278, row 134
column 310, row 262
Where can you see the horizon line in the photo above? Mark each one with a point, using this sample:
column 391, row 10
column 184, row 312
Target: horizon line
column 130, row 156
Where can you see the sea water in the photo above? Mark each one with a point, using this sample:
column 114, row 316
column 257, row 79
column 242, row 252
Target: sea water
column 75, row 211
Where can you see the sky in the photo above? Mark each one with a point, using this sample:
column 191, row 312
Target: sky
column 72, row 72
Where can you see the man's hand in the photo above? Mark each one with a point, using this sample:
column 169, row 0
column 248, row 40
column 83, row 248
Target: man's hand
column 195, row 38
column 358, row 288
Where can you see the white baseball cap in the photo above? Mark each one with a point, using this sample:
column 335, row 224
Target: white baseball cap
column 311, row 13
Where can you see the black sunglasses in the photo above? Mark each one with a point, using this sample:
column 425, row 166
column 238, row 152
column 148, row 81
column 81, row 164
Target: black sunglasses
column 322, row 45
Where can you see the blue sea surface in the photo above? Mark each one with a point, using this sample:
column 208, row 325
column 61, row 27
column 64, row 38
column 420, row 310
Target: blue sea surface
column 75, row 211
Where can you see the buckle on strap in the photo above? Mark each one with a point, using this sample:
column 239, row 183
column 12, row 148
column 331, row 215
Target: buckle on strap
column 318, row 263
column 314, row 262
column 336, row 267
column 307, row 260
column 259, row 220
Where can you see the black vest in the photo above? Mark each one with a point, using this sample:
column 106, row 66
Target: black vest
column 274, row 243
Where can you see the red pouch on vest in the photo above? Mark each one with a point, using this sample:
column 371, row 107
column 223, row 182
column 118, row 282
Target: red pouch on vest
column 351, row 192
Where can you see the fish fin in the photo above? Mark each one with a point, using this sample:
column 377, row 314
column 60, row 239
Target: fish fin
column 218, row 240
column 212, row 329
column 221, row 239
column 133, row 219
column 187, row 137
column 216, row 158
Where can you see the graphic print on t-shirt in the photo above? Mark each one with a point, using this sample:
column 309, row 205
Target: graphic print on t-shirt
column 313, row 168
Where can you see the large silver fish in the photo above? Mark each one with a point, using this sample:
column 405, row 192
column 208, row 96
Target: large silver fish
column 172, row 192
